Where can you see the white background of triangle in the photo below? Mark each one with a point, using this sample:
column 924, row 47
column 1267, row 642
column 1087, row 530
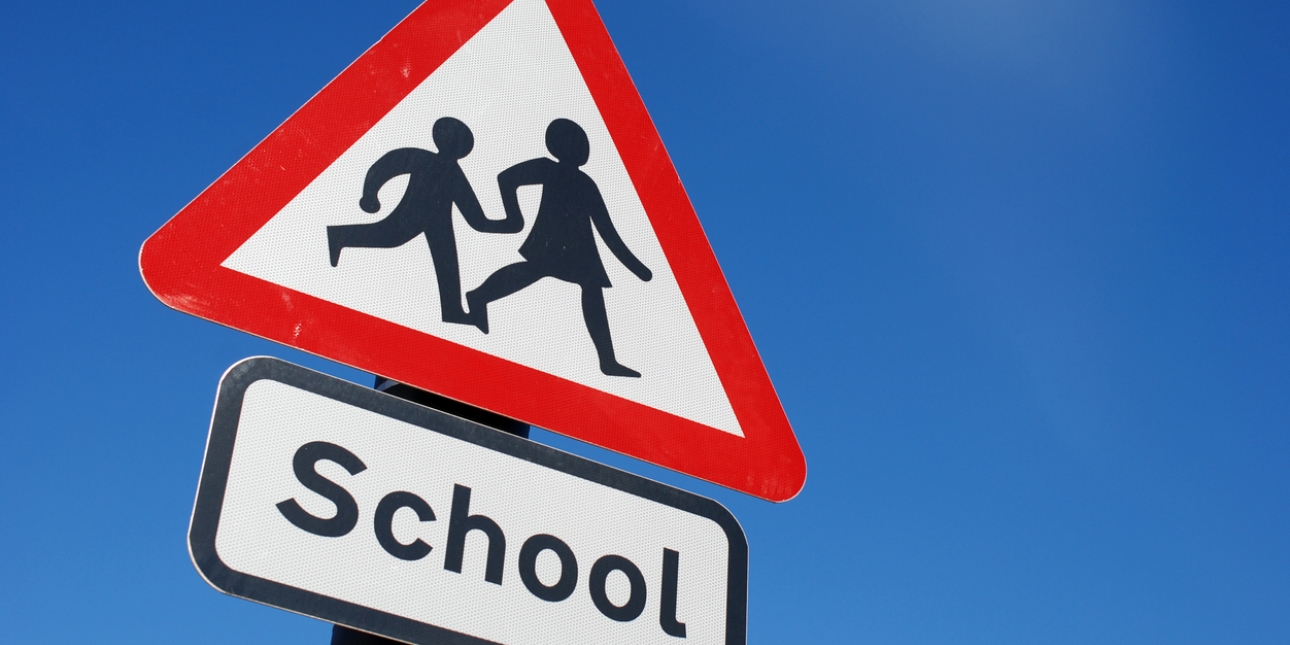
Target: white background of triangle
column 507, row 83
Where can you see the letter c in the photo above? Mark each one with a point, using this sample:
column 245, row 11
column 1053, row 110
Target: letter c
column 383, row 523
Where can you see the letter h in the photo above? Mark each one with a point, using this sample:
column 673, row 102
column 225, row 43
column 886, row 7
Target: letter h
column 461, row 523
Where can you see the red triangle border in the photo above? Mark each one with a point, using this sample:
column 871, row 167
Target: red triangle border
column 181, row 265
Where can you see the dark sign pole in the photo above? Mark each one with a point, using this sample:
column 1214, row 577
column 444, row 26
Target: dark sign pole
column 344, row 635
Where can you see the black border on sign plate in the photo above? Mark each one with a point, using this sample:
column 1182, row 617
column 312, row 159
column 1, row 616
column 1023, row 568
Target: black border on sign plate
column 219, row 454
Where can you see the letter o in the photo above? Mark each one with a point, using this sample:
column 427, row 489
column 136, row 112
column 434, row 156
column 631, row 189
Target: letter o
column 600, row 573
column 563, row 588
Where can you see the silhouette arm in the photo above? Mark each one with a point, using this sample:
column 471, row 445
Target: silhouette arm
column 463, row 195
column 391, row 165
column 605, row 226
column 528, row 173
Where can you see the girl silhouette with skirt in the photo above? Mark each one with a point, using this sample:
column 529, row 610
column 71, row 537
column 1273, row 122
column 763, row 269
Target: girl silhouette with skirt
column 561, row 243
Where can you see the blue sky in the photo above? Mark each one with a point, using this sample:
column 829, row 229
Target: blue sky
column 1019, row 271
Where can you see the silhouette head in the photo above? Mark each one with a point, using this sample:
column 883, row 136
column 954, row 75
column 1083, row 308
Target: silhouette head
column 453, row 138
column 567, row 142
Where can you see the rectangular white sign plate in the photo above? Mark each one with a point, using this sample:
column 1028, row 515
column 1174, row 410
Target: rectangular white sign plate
column 339, row 502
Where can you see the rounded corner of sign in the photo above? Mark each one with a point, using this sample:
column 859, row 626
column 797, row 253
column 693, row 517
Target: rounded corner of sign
column 156, row 272
column 791, row 485
column 147, row 270
column 790, row 494
column 254, row 363
column 201, row 552
column 733, row 529
column 240, row 375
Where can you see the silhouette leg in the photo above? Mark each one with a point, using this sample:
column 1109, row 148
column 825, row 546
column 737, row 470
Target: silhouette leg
column 391, row 232
column 504, row 282
column 443, row 251
column 597, row 319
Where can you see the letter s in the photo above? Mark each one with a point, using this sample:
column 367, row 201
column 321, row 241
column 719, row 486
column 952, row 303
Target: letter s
column 307, row 457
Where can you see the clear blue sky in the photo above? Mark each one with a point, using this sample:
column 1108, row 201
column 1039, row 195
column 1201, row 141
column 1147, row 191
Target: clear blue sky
column 1019, row 270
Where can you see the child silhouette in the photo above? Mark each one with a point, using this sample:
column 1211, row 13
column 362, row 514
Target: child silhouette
column 435, row 184
column 561, row 244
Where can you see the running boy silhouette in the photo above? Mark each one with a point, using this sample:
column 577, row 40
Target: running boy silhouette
column 561, row 244
column 436, row 183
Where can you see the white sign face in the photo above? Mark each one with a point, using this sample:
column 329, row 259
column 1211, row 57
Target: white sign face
column 335, row 501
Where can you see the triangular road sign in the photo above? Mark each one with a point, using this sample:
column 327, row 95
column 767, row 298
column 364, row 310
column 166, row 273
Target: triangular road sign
column 428, row 217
